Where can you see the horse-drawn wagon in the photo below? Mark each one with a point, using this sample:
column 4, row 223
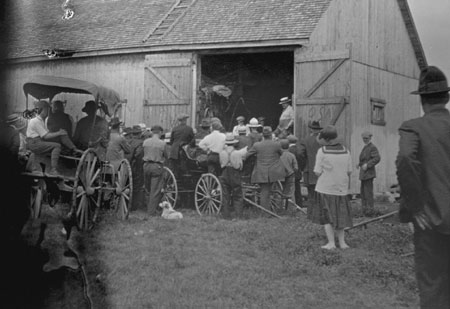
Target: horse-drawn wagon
column 91, row 180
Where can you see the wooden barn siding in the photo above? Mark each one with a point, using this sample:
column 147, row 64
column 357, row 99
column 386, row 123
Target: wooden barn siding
column 383, row 65
column 125, row 74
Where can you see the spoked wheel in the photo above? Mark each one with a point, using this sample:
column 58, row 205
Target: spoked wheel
column 276, row 198
column 123, row 190
column 86, row 190
column 208, row 195
column 36, row 198
column 170, row 187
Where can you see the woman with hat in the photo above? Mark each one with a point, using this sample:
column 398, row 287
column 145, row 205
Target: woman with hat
column 333, row 168
column 240, row 126
column 231, row 161
column 268, row 168
column 286, row 123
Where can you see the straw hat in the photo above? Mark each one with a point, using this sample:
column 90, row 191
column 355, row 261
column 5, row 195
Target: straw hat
column 230, row 139
column 16, row 121
column 285, row 100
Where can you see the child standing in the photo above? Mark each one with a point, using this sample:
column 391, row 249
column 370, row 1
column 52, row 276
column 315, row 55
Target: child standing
column 290, row 163
column 333, row 167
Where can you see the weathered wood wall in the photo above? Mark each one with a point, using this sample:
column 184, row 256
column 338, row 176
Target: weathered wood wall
column 125, row 74
column 383, row 66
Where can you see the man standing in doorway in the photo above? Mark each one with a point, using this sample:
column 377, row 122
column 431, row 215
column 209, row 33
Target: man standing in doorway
column 368, row 158
column 286, row 123
column 308, row 150
column 423, row 169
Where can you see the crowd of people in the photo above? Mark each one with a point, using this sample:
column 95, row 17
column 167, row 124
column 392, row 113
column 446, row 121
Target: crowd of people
column 320, row 161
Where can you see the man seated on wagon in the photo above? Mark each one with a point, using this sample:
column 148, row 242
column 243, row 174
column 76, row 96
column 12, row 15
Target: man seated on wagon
column 58, row 119
column 92, row 131
column 41, row 141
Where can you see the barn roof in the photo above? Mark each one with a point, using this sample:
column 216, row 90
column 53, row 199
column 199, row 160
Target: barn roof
column 115, row 25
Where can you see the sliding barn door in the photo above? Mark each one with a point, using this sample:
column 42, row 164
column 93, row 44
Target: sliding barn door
column 168, row 84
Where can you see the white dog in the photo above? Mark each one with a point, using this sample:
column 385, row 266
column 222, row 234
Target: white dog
column 168, row 211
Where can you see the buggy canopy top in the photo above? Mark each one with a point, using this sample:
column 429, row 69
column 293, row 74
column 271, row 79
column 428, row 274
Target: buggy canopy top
column 43, row 87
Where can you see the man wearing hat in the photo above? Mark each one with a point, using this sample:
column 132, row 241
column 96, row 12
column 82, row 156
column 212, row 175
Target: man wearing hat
column 254, row 135
column 308, row 150
column 231, row 164
column 117, row 145
column 41, row 141
column 268, row 168
column 423, row 169
column 368, row 158
column 181, row 135
column 286, row 123
column 154, row 156
column 205, row 129
column 92, row 131
column 240, row 126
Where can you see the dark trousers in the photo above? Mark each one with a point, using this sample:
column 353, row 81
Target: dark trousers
column 265, row 194
column 367, row 194
column 232, row 191
column 154, row 181
column 213, row 162
column 432, row 259
column 298, row 192
column 289, row 189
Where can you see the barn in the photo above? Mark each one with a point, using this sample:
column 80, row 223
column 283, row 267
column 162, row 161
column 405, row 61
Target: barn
column 347, row 62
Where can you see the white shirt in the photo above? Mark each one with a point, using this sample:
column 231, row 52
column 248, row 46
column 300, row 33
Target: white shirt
column 333, row 167
column 232, row 157
column 36, row 127
column 215, row 142
column 287, row 117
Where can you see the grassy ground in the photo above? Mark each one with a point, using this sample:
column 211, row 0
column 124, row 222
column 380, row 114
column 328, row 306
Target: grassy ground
column 201, row 262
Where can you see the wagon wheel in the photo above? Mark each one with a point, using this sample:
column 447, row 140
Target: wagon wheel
column 170, row 187
column 208, row 195
column 86, row 193
column 124, row 189
column 36, row 198
column 277, row 202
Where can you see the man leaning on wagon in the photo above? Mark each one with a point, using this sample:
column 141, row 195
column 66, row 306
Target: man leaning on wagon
column 41, row 141
column 423, row 169
column 181, row 135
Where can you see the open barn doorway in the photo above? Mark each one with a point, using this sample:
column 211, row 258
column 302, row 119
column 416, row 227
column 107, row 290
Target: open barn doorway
column 248, row 84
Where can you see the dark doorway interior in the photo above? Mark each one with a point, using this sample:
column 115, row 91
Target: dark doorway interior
column 257, row 81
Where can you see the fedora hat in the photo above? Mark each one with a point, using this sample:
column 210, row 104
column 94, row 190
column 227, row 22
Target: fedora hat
column 267, row 131
column 253, row 123
column 89, row 105
column 127, row 131
column 136, row 129
column 206, row 123
column 432, row 80
column 16, row 121
column 230, row 140
column 315, row 125
column 285, row 100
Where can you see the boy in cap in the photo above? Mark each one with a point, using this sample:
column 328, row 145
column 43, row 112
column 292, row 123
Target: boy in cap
column 368, row 158
column 154, row 156
column 423, row 169
column 240, row 126
column 290, row 163
column 231, row 163
column 181, row 135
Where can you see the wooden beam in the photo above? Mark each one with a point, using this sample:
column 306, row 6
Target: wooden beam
column 169, row 63
column 262, row 208
column 364, row 223
column 324, row 78
column 164, row 82
column 339, row 112
column 320, row 101
column 323, row 56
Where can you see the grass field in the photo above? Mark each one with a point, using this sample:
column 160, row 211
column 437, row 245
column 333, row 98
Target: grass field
column 205, row 262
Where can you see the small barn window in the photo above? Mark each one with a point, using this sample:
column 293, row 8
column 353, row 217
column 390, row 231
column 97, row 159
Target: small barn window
column 378, row 111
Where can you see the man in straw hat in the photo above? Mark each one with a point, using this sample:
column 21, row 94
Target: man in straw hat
column 268, row 168
column 231, row 163
column 181, row 135
column 308, row 150
column 368, row 158
column 286, row 123
column 154, row 157
column 423, row 169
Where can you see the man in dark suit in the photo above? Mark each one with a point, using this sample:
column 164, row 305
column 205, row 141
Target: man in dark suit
column 181, row 135
column 308, row 150
column 423, row 169
column 268, row 168
column 368, row 158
